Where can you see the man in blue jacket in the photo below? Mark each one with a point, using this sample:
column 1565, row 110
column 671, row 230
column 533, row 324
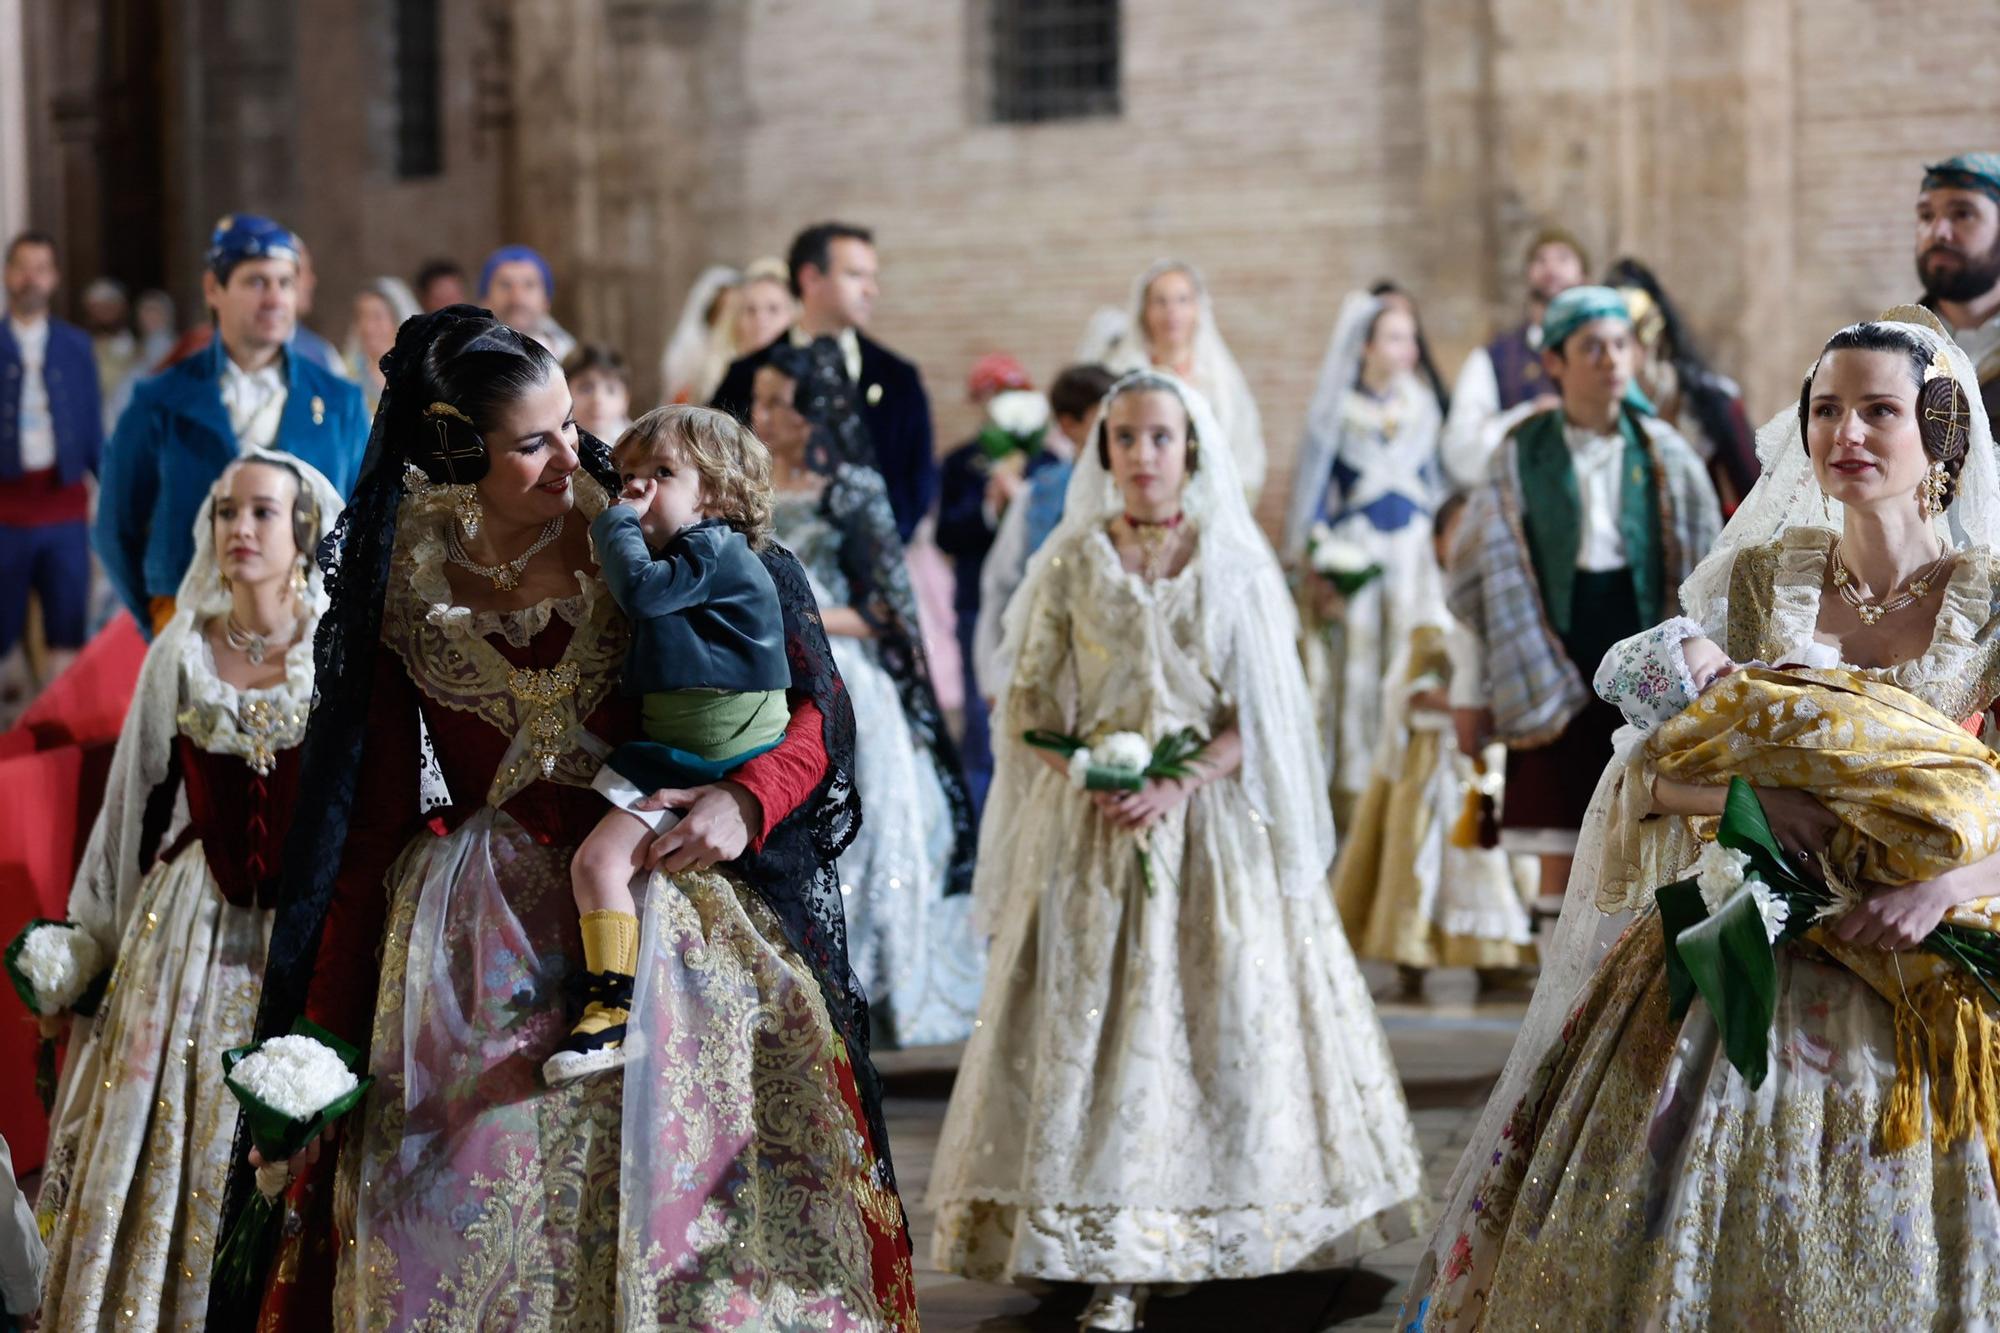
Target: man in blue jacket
column 51, row 432
column 834, row 276
column 244, row 390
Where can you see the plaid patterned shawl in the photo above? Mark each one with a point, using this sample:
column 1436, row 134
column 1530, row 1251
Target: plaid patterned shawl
column 1532, row 687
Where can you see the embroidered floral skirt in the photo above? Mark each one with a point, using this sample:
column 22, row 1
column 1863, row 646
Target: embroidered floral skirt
column 724, row 1181
column 144, row 1130
column 1641, row 1183
column 1175, row 1084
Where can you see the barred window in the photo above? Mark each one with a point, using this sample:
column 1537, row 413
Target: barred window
column 1053, row 59
column 419, row 118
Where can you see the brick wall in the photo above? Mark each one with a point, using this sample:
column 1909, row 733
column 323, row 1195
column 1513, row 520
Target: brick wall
column 1762, row 155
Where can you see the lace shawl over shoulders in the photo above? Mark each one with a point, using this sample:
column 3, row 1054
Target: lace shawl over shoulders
column 1773, row 609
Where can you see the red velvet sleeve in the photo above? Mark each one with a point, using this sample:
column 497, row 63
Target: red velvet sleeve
column 783, row 778
column 385, row 816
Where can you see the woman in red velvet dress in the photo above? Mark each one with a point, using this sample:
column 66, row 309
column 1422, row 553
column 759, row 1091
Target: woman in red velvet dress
column 735, row 1176
column 142, row 1133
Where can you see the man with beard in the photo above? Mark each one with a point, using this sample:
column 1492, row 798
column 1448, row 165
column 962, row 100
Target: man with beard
column 1958, row 258
column 1504, row 382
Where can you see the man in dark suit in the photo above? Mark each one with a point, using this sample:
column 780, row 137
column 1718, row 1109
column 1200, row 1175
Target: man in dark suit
column 833, row 275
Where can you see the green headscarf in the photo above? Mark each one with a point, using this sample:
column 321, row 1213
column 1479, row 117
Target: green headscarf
column 1577, row 307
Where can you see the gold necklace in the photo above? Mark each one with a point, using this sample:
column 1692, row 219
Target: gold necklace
column 1156, row 542
column 506, row 576
column 1872, row 610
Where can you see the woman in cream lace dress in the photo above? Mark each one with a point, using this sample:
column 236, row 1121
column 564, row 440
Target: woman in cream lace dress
column 1177, row 1081
column 141, row 1140
column 1625, row 1174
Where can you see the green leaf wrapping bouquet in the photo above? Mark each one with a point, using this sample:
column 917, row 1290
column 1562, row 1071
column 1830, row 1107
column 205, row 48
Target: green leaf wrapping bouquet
column 1123, row 761
column 1723, row 923
column 290, row 1089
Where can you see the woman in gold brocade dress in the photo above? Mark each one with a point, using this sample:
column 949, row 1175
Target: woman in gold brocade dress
column 1177, row 1075
column 140, row 1142
column 1625, row 1175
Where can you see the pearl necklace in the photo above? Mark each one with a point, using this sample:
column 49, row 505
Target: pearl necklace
column 248, row 642
column 506, row 576
column 1155, row 538
column 1872, row 610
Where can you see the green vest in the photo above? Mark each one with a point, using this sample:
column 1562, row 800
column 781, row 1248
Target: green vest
column 1552, row 514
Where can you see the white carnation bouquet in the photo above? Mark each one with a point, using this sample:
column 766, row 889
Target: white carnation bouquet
column 1016, row 422
column 1345, row 565
column 56, row 967
column 1123, row 761
column 290, row 1089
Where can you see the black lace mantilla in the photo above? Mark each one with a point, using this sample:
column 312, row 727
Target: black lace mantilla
column 856, row 505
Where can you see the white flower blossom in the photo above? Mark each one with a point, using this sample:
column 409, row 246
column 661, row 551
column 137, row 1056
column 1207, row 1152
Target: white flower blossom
column 59, row 962
column 1019, row 412
column 1126, row 751
column 1331, row 555
column 1079, row 767
column 294, row 1075
column 1719, row 874
column 1773, row 907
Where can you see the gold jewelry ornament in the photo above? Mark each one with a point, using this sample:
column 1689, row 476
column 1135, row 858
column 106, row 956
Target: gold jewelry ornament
column 1931, row 490
column 1155, row 541
column 1871, row 611
column 465, row 508
column 541, row 691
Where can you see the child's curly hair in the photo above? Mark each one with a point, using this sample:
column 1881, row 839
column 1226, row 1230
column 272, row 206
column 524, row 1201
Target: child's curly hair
column 735, row 466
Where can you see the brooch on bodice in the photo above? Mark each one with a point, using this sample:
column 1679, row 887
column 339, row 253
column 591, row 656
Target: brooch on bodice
column 263, row 723
column 542, row 690
column 263, row 728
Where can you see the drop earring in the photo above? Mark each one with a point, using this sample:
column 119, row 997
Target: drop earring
column 1931, row 491
column 465, row 505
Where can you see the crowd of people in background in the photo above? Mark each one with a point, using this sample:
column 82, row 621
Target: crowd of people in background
column 1173, row 1071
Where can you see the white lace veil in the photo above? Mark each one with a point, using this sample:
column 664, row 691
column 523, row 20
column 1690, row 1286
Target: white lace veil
column 1215, row 372
column 107, row 881
column 696, row 350
column 1786, row 496
column 1251, row 634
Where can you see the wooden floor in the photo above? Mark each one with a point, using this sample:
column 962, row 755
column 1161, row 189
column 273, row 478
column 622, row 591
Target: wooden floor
column 1448, row 1050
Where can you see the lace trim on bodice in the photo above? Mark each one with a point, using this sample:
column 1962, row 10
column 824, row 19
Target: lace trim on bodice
column 253, row 725
column 1949, row 675
column 449, row 653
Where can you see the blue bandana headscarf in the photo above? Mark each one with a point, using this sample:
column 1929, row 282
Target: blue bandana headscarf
column 1577, row 307
column 516, row 254
column 1967, row 171
column 241, row 236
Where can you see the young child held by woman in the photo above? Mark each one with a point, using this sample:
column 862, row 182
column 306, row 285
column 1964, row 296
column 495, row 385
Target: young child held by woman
column 678, row 550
